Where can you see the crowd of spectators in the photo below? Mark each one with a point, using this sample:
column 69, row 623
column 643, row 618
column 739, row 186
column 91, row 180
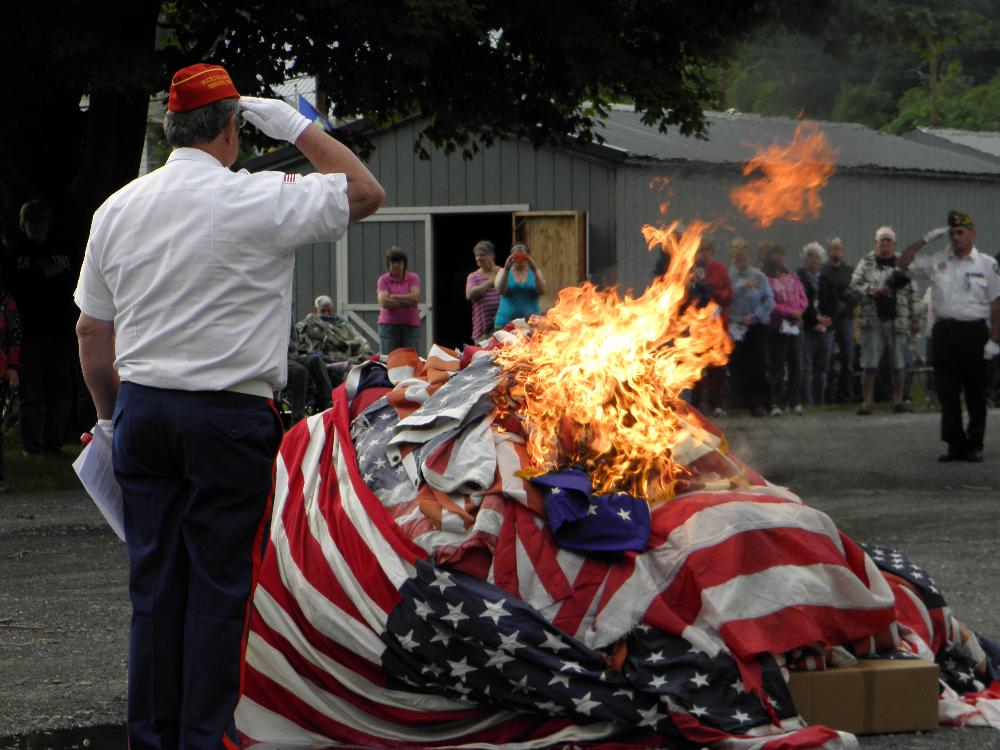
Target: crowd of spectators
column 812, row 332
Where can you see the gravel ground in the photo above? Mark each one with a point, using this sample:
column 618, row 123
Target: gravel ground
column 64, row 606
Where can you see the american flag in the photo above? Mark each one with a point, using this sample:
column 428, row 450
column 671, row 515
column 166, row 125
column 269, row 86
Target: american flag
column 376, row 623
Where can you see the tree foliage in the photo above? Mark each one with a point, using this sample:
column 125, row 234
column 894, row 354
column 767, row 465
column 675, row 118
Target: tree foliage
column 880, row 63
column 475, row 69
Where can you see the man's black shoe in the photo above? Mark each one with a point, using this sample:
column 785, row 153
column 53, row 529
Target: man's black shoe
column 974, row 456
column 950, row 456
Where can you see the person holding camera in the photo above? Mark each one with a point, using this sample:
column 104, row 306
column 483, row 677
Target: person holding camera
column 520, row 284
column 887, row 313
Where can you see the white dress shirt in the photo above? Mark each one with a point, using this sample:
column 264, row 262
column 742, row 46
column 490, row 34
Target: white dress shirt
column 194, row 262
column 961, row 288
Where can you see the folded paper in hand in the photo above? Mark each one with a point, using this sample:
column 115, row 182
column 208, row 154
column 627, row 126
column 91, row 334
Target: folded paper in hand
column 789, row 329
column 97, row 475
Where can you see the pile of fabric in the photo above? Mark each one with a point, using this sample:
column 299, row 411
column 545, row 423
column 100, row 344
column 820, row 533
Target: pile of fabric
column 423, row 587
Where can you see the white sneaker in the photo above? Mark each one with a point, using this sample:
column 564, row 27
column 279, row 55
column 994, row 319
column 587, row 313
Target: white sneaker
column 719, row 412
column 798, row 410
column 776, row 411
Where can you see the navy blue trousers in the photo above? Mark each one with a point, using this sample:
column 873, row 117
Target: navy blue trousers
column 195, row 470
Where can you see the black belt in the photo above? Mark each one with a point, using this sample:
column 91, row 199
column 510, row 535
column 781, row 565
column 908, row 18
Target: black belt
column 957, row 322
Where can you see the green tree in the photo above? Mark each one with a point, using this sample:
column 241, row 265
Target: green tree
column 960, row 103
column 477, row 70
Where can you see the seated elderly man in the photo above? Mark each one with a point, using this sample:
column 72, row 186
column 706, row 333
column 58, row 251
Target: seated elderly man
column 330, row 335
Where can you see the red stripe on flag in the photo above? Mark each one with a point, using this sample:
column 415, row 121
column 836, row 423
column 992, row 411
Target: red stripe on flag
column 792, row 627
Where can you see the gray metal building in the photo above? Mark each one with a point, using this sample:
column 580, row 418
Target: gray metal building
column 582, row 210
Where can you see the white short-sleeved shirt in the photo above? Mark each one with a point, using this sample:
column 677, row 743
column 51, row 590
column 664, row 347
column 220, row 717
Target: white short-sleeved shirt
column 194, row 262
column 961, row 288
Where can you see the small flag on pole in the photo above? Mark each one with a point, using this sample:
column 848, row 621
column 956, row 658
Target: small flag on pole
column 308, row 110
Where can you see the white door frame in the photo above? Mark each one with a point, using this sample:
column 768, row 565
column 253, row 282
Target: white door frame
column 398, row 214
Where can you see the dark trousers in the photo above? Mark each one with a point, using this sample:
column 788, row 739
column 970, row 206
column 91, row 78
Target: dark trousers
column 785, row 353
column 816, row 349
column 394, row 336
column 195, row 470
column 710, row 391
column 843, row 332
column 959, row 368
column 299, row 374
column 748, row 370
column 46, row 392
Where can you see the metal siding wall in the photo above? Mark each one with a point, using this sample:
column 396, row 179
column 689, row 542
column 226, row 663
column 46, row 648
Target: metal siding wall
column 315, row 274
column 509, row 172
column 854, row 205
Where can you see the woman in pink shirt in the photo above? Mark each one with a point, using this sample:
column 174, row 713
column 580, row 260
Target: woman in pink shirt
column 398, row 296
column 785, row 333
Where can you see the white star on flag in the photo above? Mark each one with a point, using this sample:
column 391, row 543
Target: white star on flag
column 521, row 686
column 563, row 678
column 498, row 658
column 625, row 515
column 495, row 610
column 442, row 580
column 741, row 717
column 571, row 666
column 455, row 614
column 552, row 642
column 441, row 636
column 650, row 716
column 699, row 680
column 461, row 668
column 585, row 705
column 509, row 642
column 407, row 642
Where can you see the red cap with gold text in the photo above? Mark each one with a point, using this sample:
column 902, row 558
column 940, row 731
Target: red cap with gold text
column 198, row 85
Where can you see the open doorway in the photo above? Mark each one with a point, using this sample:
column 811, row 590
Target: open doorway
column 454, row 237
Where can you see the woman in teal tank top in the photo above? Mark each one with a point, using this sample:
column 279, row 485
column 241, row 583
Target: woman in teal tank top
column 520, row 284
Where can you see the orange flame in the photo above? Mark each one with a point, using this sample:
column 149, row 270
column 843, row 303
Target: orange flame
column 597, row 381
column 598, row 378
column 793, row 175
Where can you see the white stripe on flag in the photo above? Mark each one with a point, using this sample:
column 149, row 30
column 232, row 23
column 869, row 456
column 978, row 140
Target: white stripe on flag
column 766, row 592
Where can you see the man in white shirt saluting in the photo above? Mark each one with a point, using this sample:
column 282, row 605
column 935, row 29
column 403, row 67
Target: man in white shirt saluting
column 965, row 297
column 185, row 310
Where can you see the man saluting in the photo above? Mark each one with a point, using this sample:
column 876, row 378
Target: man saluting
column 965, row 299
column 185, row 310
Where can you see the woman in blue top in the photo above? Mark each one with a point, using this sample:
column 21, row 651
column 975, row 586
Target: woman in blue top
column 520, row 284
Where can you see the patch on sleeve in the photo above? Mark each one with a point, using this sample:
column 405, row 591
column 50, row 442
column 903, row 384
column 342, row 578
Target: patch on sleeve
column 289, row 177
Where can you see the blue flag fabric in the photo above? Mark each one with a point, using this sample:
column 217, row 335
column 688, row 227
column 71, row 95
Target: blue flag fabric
column 582, row 520
column 309, row 111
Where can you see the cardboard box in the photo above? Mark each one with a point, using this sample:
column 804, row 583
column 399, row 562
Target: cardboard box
column 871, row 697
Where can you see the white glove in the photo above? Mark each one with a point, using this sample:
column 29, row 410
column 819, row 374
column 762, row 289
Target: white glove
column 991, row 349
column 932, row 234
column 106, row 426
column 274, row 118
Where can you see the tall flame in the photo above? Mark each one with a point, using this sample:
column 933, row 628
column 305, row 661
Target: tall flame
column 792, row 176
column 598, row 378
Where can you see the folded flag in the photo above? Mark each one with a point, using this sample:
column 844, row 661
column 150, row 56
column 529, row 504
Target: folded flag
column 598, row 523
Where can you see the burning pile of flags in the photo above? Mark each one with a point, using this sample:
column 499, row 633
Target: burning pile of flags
column 422, row 589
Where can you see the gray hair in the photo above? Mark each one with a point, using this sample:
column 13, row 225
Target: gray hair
column 817, row 247
column 885, row 232
column 486, row 246
column 199, row 125
column 322, row 300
